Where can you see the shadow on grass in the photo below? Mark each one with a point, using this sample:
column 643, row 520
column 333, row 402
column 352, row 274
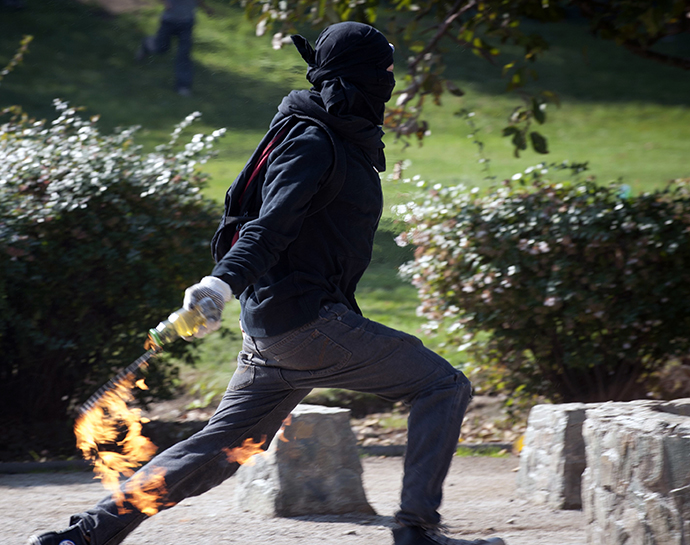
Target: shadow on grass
column 86, row 56
column 579, row 67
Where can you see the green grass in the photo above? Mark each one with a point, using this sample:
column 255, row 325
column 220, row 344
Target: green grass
column 630, row 118
column 488, row 451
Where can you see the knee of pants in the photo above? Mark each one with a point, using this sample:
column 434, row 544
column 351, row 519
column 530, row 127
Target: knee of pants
column 455, row 385
column 462, row 386
column 464, row 382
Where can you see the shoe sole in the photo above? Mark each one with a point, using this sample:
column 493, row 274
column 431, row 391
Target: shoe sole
column 34, row 540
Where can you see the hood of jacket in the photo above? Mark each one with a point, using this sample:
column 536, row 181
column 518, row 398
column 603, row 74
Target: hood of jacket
column 354, row 129
column 349, row 68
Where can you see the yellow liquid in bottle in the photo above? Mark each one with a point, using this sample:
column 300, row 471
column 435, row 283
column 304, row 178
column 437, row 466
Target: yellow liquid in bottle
column 186, row 322
column 182, row 323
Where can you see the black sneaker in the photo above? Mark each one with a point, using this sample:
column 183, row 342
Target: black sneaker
column 71, row 536
column 415, row 535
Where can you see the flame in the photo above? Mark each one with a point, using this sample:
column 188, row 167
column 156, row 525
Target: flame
column 281, row 431
column 144, row 491
column 250, row 448
column 109, row 435
column 141, row 384
column 244, row 452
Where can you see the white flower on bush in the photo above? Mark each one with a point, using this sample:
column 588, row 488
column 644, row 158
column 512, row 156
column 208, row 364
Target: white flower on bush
column 542, row 247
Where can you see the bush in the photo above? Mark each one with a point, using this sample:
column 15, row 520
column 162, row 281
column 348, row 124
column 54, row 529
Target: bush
column 99, row 239
column 578, row 291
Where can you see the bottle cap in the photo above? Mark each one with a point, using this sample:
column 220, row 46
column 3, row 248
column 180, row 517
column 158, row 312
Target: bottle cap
column 154, row 340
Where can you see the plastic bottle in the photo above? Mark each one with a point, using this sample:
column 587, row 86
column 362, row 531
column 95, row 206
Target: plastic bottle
column 183, row 323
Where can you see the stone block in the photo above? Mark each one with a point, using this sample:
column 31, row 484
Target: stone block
column 311, row 467
column 636, row 487
column 553, row 455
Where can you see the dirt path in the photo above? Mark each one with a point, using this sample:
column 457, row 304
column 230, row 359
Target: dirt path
column 480, row 500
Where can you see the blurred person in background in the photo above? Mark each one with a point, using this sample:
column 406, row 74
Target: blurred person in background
column 177, row 21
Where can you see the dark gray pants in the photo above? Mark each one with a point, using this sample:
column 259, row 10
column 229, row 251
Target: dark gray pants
column 339, row 350
column 160, row 43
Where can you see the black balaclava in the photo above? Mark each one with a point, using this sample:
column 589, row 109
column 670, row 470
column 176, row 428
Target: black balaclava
column 349, row 69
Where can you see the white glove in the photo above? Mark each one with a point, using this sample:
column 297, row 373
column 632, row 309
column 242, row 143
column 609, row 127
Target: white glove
column 215, row 289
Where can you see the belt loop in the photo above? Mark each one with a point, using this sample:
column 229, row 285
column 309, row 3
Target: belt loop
column 334, row 310
column 340, row 309
column 248, row 342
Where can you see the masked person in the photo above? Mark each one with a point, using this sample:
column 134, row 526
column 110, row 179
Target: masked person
column 294, row 267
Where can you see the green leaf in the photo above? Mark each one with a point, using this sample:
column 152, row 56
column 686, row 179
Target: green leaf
column 517, row 79
column 551, row 97
column 417, row 47
column 648, row 19
column 454, row 89
column 539, row 143
column 539, row 114
column 519, row 143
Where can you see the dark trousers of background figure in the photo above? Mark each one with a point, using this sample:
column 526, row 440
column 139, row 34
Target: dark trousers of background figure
column 160, row 43
column 340, row 349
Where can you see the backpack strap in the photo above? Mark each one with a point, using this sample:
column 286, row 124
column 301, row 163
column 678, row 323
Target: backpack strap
column 261, row 163
column 243, row 198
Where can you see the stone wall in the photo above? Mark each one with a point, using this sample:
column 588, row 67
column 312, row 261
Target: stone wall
column 636, row 487
column 552, row 458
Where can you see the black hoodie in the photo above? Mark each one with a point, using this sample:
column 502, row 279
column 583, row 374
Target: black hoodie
column 288, row 263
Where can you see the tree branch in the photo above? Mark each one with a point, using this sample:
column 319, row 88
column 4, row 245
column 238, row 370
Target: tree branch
column 669, row 60
column 456, row 12
column 593, row 10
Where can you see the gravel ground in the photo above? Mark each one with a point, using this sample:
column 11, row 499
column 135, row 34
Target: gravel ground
column 480, row 500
